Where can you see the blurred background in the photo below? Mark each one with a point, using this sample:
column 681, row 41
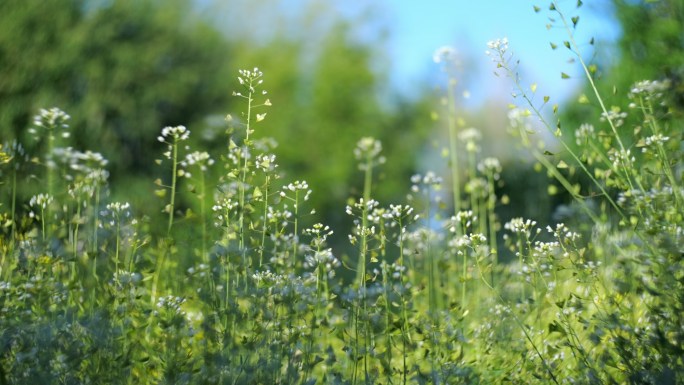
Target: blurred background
column 335, row 71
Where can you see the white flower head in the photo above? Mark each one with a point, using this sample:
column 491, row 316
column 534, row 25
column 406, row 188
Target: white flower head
column 445, row 54
column 177, row 133
column 499, row 46
column 50, row 120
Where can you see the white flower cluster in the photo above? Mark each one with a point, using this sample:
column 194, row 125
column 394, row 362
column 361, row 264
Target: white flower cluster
column 657, row 140
column 201, row 270
column 563, row 233
column 199, row 158
column 649, row 89
column 88, row 161
column 470, row 136
column 172, row 303
column 360, row 205
column 398, row 212
column 116, row 213
column 445, row 54
column 615, row 115
column 266, row 163
column 498, row 45
column 519, row 118
column 123, row 278
column 621, row 158
column 497, row 50
column 584, row 133
column 50, row 120
column 464, row 217
column 268, row 278
column 429, row 179
column 41, row 201
column 297, row 186
column 468, row 240
column 368, row 150
column 322, row 258
column 222, row 211
column 491, row 166
column 319, row 231
column 174, row 134
column 521, row 226
column 250, row 79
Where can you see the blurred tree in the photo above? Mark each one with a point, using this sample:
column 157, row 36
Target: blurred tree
column 124, row 69
column 121, row 69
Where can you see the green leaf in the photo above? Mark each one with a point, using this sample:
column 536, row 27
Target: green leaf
column 536, row 9
column 575, row 20
column 547, row 152
column 579, row 3
column 566, row 44
column 562, row 164
column 546, row 99
column 257, row 193
column 555, row 327
column 553, row 46
column 564, row 75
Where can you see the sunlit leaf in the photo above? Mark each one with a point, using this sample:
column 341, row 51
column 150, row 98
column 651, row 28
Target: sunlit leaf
column 257, row 193
column 564, row 75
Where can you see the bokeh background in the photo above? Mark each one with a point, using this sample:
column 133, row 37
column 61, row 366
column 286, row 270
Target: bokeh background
column 335, row 71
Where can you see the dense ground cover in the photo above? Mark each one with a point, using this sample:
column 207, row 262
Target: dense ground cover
column 235, row 291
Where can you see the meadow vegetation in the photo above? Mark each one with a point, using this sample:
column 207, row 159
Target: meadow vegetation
column 236, row 289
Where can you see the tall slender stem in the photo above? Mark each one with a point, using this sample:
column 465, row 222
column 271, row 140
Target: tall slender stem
column 453, row 147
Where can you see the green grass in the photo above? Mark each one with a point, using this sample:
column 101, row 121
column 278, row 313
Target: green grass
column 239, row 293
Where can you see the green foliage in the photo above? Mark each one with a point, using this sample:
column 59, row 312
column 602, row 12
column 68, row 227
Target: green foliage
column 650, row 47
column 90, row 294
column 122, row 68
column 125, row 68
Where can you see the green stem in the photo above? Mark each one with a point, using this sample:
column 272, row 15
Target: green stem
column 491, row 206
column 78, row 222
column 96, row 222
column 116, row 247
column 174, row 172
column 203, row 216
column 453, row 148
column 264, row 223
column 295, row 240
column 367, row 184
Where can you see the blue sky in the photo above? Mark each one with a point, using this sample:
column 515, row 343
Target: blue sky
column 418, row 27
column 413, row 29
